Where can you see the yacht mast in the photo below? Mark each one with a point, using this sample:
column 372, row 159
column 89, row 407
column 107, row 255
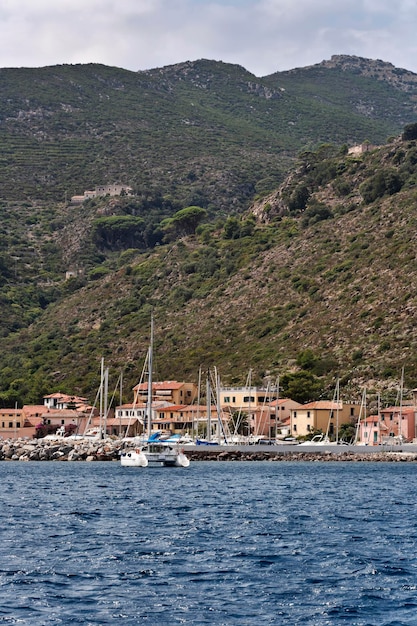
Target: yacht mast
column 208, row 403
column 401, row 405
column 337, row 409
column 101, row 397
column 149, row 402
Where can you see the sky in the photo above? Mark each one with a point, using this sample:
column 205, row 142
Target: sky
column 264, row 36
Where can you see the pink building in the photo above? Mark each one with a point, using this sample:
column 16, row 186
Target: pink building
column 394, row 423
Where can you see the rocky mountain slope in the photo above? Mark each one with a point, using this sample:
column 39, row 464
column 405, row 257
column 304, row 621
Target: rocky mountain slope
column 202, row 132
column 309, row 273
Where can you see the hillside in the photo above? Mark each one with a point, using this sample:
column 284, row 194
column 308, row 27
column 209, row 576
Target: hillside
column 203, row 132
column 312, row 277
column 328, row 286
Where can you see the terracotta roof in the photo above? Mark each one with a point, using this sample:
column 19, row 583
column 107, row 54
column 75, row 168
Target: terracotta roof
column 131, row 405
column 51, row 413
column 34, row 408
column 158, row 386
column 66, row 397
column 279, row 401
column 321, row 404
column 398, row 409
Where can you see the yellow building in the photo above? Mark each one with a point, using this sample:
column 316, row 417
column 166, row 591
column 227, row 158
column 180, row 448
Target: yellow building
column 14, row 424
column 246, row 397
column 324, row 415
column 169, row 391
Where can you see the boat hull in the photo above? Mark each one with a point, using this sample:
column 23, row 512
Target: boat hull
column 133, row 458
column 154, row 455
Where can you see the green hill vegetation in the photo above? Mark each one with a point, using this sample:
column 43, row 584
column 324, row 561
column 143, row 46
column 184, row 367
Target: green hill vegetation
column 253, row 237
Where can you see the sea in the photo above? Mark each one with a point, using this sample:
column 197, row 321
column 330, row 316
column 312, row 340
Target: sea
column 222, row 543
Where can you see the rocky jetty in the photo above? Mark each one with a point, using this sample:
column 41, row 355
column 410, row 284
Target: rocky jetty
column 67, row 449
column 60, row 450
column 237, row 455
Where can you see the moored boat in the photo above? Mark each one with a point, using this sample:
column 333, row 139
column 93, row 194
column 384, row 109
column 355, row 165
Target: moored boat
column 133, row 458
column 163, row 454
column 156, row 454
column 156, row 451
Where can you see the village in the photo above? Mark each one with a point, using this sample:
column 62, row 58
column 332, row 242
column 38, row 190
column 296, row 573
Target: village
column 233, row 415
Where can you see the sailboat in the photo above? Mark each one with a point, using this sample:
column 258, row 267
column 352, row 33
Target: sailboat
column 155, row 452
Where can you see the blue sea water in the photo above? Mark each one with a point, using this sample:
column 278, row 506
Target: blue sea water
column 223, row 543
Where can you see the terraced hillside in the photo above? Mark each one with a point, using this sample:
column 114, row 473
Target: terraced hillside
column 256, row 243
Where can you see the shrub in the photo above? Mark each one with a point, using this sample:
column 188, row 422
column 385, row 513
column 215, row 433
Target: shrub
column 410, row 132
column 384, row 182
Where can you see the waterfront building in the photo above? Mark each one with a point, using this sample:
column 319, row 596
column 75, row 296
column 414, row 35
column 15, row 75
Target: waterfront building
column 324, row 415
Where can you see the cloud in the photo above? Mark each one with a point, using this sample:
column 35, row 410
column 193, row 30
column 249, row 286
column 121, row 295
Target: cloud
column 262, row 35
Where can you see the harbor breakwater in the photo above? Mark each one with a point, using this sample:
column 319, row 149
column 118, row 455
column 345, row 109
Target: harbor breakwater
column 110, row 450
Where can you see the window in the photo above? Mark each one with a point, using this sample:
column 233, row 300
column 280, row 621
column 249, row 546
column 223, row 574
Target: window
column 308, row 428
column 295, row 414
column 249, row 399
column 10, row 424
column 227, row 399
column 234, row 400
column 352, row 411
column 308, row 413
column 294, row 428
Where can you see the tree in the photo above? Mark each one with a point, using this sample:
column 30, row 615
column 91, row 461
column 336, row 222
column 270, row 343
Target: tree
column 306, row 359
column 410, row 132
column 301, row 386
column 384, row 182
column 299, row 198
column 316, row 212
column 347, row 432
column 118, row 232
column 231, row 228
column 185, row 221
